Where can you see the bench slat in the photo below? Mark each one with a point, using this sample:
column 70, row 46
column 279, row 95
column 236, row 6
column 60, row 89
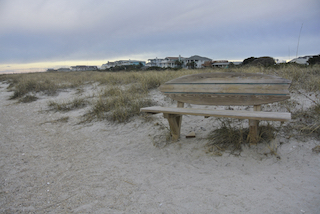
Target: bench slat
column 226, row 99
column 229, row 77
column 241, row 89
column 255, row 115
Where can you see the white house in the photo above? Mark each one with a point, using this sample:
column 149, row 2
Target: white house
column 301, row 60
column 154, row 62
column 168, row 62
column 108, row 65
column 198, row 60
column 122, row 63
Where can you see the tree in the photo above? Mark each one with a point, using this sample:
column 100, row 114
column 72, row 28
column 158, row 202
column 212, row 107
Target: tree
column 314, row 60
column 248, row 60
column 231, row 65
column 178, row 63
column 264, row 61
column 191, row 65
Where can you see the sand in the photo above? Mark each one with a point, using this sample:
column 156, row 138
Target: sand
column 49, row 165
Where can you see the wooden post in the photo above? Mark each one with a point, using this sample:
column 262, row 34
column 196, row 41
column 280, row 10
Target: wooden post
column 175, row 123
column 180, row 105
column 253, row 127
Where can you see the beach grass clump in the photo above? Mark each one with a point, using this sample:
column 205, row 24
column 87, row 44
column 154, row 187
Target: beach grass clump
column 308, row 122
column 153, row 80
column 33, row 86
column 28, row 99
column 46, row 82
column 117, row 105
column 303, row 78
column 73, row 104
column 230, row 137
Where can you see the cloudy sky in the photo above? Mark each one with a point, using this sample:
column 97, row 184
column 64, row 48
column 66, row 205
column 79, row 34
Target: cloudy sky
column 37, row 34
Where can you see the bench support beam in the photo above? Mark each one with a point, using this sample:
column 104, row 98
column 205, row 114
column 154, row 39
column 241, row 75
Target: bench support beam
column 253, row 127
column 175, row 122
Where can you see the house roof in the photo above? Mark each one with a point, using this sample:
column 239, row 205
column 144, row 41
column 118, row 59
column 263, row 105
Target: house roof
column 196, row 57
column 301, row 60
column 172, row 58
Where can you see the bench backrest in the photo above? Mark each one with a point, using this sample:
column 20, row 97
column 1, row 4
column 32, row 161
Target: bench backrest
column 227, row 89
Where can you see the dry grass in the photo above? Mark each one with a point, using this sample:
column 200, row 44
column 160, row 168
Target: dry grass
column 307, row 79
column 60, row 120
column 47, row 83
column 307, row 123
column 75, row 103
column 231, row 136
column 127, row 91
column 28, row 99
column 118, row 104
column 316, row 149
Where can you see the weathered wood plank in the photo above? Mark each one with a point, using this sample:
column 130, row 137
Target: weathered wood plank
column 254, row 115
column 227, row 99
column 229, row 78
column 227, row 89
column 279, row 89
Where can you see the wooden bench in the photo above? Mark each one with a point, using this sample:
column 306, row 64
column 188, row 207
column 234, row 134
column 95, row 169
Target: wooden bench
column 224, row 89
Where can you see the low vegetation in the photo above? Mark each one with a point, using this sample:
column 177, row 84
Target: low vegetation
column 232, row 136
column 308, row 122
column 75, row 103
column 122, row 94
column 116, row 104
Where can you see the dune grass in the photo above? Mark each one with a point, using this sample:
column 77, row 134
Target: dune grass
column 116, row 104
column 75, row 103
column 307, row 122
column 126, row 92
column 232, row 136
column 303, row 78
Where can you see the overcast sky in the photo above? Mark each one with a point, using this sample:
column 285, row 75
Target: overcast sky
column 62, row 32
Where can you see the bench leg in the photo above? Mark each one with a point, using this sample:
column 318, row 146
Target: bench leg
column 180, row 105
column 253, row 127
column 175, row 122
column 175, row 125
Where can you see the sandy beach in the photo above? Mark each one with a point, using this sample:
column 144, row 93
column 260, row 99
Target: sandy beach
column 49, row 163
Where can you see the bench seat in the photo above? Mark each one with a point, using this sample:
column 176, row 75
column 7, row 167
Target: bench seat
column 254, row 115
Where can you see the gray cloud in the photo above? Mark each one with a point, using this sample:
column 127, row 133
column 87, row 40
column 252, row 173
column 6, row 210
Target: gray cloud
column 38, row 30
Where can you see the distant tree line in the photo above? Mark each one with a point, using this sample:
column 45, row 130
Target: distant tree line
column 264, row 61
